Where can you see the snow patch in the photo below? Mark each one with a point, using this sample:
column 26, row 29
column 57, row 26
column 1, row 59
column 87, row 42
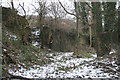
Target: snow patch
column 64, row 66
column 35, row 44
column 14, row 37
column 5, row 50
column 112, row 51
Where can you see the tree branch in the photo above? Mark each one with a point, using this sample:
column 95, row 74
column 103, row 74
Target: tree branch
column 23, row 8
column 88, row 5
column 12, row 4
column 77, row 16
column 68, row 11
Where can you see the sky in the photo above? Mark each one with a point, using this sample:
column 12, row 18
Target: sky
column 30, row 9
column 29, row 3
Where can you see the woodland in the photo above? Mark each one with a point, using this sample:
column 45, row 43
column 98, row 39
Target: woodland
column 51, row 45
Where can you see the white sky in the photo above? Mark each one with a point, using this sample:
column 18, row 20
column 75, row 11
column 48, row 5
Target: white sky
column 29, row 3
column 30, row 9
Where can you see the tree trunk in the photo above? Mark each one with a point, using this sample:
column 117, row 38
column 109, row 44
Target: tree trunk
column 90, row 30
column 96, row 11
column 77, row 23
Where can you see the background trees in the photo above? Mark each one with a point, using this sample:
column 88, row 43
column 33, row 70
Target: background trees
column 104, row 26
column 95, row 24
column 95, row 28
column 101, row 18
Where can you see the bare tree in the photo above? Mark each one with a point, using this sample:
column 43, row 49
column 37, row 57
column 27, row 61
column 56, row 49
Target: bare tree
column 56, row 10
column 76, row 14
column 41, row 10
column 79, row 16
column 56, row 13
column 68, row 11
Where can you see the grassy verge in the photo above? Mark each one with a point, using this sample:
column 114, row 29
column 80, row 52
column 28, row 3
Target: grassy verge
column 28, row 55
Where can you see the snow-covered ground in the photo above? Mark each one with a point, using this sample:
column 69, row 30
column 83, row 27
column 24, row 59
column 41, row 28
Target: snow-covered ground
column 64, row 65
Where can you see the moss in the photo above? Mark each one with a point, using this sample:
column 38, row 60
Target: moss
column 83, row 55
column 27, row 54
column 15, row 23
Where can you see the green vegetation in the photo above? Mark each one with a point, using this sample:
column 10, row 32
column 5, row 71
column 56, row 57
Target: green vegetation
column 65, row 40
column 95, row 30
column 15, row 51
column 84, row 55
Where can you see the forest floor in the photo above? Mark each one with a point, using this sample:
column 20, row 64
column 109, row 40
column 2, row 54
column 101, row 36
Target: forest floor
column 67, row 65
column 32, row 62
